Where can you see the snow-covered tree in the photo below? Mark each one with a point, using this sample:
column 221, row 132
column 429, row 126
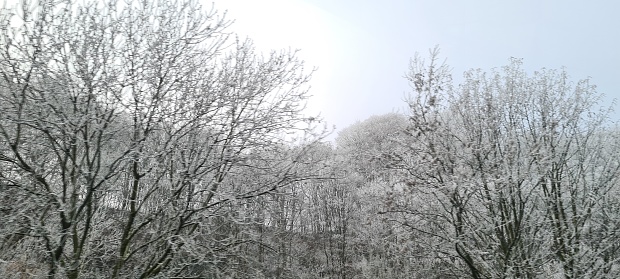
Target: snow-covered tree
column 513, row 174
column 122, row 125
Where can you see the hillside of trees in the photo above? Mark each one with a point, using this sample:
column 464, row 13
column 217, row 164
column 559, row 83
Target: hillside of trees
column 145, row 140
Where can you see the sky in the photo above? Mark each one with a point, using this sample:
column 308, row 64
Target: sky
column 362, row 48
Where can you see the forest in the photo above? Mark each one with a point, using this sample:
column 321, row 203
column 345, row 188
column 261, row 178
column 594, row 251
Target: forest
column 143, row 139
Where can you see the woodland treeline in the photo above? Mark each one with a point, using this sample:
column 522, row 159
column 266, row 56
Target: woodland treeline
column 142, row 139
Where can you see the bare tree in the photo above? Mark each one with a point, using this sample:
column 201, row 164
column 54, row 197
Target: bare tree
column 122, row 127
column 508, row 172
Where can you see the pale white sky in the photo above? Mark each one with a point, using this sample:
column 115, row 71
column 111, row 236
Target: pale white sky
column 362, row 47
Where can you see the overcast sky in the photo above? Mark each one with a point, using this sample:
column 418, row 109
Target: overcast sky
column 362, row 47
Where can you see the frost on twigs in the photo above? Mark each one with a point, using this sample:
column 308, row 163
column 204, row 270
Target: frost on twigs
column 125, row 129
column 511, row 173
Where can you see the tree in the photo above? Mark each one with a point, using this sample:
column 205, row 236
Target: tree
column 509, row 172
column 379, row 248
column 367, row 144
column 123, row 126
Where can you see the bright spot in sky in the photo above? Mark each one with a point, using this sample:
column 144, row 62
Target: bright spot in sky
column 294, row 25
